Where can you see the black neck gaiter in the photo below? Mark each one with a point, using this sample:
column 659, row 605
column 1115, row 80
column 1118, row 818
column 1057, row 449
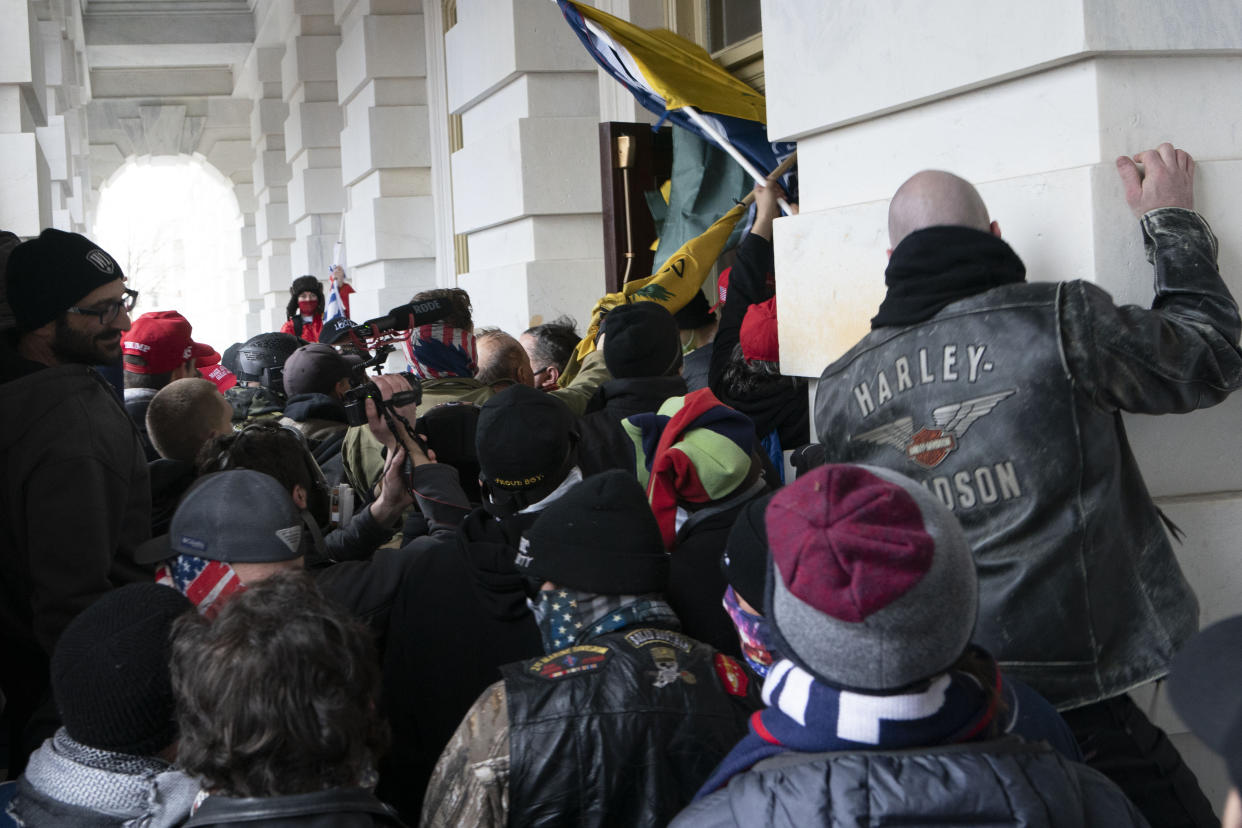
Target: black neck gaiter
column 937, row 266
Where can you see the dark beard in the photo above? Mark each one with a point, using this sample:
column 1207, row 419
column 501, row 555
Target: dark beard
column 70, row 346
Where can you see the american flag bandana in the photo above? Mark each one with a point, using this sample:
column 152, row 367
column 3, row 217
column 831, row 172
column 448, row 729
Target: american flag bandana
column 439, row 350
column 207, row 584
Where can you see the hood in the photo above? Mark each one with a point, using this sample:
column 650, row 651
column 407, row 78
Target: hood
column 305, row 407
column 489, row 547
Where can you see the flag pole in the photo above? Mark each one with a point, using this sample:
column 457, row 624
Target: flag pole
column 723, row 143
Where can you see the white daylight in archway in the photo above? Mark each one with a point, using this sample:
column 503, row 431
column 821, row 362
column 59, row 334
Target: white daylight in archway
column 173, row 224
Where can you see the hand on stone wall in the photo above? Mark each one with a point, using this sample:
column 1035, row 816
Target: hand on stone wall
column 1167, row 179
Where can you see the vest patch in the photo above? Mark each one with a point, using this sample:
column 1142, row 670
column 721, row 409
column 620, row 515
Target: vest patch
column 645, row 636
column 732, row 676
column 667, row 670
column 930, row 445
column 570, row 661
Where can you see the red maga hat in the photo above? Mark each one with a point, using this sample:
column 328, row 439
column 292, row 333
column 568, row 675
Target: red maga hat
column 162, row 340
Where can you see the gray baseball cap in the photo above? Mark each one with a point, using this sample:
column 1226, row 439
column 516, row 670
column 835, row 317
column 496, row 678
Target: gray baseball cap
column 235, row 516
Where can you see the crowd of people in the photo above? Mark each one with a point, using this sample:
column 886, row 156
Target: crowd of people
column 538, row 579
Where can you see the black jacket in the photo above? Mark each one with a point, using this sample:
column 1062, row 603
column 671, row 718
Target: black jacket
column 621, row 730
column 461, row 613
column 335, row 808
column 696, row 584
column 775, row 403
column 1007, row 406
column 321, row 419
column 1005, row 782
column 137, row 401
column 74, row 504
column 169, row 481
column 602, row 442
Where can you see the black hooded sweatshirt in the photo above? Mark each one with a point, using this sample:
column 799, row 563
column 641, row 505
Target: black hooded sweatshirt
column 461, row 614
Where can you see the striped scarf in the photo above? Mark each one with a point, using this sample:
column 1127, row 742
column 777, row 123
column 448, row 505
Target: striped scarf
column 806, row 715
column 439, row 350
column 207, row 584
column 695, row 449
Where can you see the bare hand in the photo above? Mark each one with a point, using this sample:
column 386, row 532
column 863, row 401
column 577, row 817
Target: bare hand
column 766, row 208
column 338, row 273
column 394, row 497
column 389, row 384
column 1166, row 180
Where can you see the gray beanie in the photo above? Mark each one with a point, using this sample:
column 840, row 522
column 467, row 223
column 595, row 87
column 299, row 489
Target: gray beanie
column 872, row 586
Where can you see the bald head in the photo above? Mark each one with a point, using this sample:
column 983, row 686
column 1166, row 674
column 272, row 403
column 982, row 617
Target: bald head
column 502, row 359
column 934, row 197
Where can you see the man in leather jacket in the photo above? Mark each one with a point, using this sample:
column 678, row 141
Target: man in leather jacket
column 1003, row 398
column 625, row 716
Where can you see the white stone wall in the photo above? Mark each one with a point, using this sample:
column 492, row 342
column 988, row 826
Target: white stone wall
column 526, row 184
column 1032, row 102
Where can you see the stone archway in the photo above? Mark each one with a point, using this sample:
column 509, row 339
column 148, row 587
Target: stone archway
column 173, row 223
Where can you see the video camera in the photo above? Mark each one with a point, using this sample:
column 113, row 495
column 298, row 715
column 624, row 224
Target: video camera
column 356, row 397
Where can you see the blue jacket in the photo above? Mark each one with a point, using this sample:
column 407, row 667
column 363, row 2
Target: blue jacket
column 1005, row 782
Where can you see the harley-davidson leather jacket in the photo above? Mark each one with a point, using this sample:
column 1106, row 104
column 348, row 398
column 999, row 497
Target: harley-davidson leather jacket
column 1006, row 405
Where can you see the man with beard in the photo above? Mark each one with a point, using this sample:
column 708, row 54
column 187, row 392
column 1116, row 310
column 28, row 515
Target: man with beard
column 76, row 498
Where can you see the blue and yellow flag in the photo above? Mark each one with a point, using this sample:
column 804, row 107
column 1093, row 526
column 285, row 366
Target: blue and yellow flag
column 667, row 73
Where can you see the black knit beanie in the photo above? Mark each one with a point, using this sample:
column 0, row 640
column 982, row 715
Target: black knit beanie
column 110, row 673
column 599, row 537
column 44, row 276
column 695, row 314
column 745, row 559
column 641, row 340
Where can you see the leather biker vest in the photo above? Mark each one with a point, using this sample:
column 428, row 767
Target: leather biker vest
column 621, row 730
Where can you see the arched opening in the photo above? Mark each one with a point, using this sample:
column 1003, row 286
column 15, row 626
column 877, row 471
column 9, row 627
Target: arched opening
column 173, row 224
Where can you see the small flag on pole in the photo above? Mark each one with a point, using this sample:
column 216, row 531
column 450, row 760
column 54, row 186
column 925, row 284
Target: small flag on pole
column 334, row 306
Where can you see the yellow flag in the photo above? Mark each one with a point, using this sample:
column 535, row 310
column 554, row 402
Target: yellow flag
column 672, row 286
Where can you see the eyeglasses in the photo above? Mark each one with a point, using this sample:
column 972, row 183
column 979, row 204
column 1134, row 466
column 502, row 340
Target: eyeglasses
column 109, row 312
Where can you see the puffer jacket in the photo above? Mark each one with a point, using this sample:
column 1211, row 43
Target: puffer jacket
column 1004, row 782
column 1006, row 405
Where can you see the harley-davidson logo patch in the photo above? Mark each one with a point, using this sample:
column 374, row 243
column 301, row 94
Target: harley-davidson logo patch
column 930, row 445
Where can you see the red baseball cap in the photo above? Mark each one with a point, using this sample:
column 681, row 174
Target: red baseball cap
column 209, row 368
column 162, row 339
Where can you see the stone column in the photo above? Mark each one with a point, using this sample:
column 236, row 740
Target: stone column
column 385, row 161
column 25, row 202
column 1032, row 103
column 273, row 235
column 312, row 136
column 63, row 138
column 526, row 183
